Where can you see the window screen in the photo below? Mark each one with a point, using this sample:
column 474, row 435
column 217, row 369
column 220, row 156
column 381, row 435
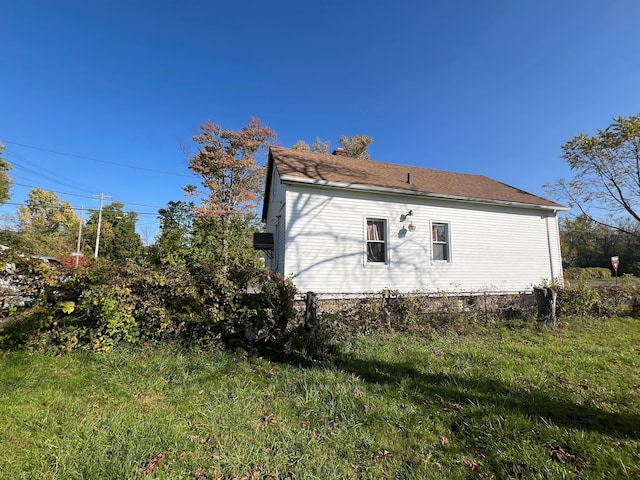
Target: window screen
column 376, row 241
column 440, row 241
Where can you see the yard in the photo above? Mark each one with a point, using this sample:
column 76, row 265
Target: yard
column 509, row 402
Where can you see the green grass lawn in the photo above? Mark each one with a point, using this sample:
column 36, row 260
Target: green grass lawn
column 506, row 403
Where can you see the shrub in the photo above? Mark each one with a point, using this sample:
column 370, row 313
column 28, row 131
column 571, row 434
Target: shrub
column 588, row 273
column 581, row 300
column 265, row 312
column 421, row 314
column 127, row 302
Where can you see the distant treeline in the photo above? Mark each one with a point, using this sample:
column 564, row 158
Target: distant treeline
column 586, row 243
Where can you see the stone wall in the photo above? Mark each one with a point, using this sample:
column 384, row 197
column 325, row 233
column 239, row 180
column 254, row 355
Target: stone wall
column 488, row 305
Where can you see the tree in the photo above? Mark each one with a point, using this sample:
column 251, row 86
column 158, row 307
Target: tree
column 606, row 185
column 355, row 147
column 118, row 237
column 226, row 164
column 578, row 241
column 227, row 167
column 5, row 179
column 224, row 244
column 48, row 225
column 318, row 146
column 176, row 232
column 586, row 243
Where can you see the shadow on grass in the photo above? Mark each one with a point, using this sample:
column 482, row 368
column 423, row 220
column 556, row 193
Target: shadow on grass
column 423, row 388
column 490, row 392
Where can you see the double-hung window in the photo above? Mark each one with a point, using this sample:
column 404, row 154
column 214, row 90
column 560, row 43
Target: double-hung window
column 376, row 240
column 440, row 242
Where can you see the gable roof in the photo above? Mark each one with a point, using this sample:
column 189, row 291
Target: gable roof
column 354, row 173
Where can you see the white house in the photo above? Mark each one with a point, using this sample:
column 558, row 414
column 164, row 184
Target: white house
column 343, row 226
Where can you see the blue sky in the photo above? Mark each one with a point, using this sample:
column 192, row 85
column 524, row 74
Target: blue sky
column 491, row 87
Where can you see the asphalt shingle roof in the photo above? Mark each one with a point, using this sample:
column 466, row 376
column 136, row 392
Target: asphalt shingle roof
column 337, row 169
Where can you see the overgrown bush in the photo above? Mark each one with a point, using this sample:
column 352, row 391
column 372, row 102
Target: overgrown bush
column 114, row 302
column 581, row 300
column 588, row 273
column 622, row 298
column 630, row 289
column 422, row 314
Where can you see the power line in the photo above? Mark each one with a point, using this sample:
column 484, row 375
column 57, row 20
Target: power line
column 97, row 160
column 86, row 196
column 138, row 204
column 71, row 207
column 41, row 173
column 54, row 191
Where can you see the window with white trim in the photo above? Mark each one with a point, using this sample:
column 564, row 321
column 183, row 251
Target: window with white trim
column 440, row 250
column 376, row 240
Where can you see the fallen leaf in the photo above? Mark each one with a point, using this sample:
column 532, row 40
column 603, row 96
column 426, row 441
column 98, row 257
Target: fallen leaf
column 559, row 454
column 470, row 464
column 382, row 454
column 444, row 441
column 154, row 463
column 255, row 474
column 269, row 420
column 200, row 474
column 184, row 455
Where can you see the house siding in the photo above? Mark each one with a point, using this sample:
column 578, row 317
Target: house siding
column 276, row 223
column 493, row 248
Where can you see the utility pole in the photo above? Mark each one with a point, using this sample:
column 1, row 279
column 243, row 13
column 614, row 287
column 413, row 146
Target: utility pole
column 77, row 252
column 95, row 253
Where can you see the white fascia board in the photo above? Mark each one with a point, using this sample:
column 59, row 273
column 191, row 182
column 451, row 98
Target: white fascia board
column 397, row 191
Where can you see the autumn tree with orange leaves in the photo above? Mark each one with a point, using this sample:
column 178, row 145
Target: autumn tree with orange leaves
column 226, row 162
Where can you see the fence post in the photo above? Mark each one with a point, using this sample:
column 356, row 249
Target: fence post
column 546, row 299
column 311, row 312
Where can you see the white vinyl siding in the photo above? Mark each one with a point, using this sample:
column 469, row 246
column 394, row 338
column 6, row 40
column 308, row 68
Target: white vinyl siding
column 500, row 249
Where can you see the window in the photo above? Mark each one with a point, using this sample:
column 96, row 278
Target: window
column 376, row 241
column 440, row 241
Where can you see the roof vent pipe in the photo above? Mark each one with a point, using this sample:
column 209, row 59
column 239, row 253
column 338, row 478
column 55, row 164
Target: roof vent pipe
column 409, row 178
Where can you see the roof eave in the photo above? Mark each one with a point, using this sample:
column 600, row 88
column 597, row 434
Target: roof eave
column 399, row 191
column 267, row 186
